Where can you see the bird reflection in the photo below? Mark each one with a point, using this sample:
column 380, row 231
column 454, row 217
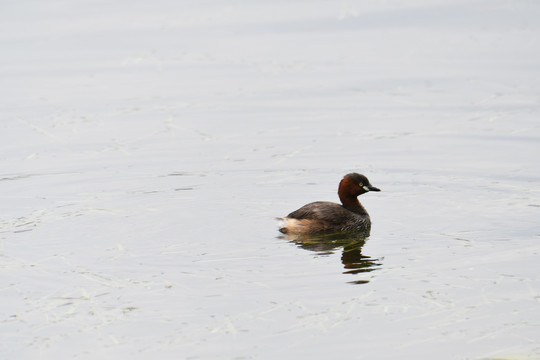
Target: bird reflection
column 350, row 243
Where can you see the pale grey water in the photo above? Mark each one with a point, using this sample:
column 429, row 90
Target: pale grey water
column 148, row 147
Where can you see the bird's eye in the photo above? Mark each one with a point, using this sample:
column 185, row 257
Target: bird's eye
column 361, row 185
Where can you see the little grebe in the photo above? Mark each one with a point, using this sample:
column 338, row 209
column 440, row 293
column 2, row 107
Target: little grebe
column 325, row 216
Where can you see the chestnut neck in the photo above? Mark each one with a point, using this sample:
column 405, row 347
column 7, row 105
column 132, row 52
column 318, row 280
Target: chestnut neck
column 352, row 204
column 348, row 194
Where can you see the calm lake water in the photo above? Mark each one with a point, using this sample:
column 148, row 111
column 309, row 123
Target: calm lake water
column 147, row 148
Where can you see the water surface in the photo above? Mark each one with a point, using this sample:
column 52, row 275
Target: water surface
column 148, row 148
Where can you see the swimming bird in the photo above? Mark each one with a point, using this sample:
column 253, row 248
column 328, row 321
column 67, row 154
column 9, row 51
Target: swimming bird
column 328, row 217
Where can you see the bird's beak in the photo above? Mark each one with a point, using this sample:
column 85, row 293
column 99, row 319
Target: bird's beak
column 370, row 188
